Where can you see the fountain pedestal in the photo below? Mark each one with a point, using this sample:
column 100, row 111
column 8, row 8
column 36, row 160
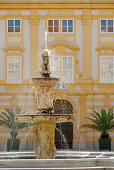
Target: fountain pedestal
column 44, row 140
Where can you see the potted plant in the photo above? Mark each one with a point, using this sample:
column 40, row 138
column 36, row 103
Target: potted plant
column 7, row 120
column 103, row 123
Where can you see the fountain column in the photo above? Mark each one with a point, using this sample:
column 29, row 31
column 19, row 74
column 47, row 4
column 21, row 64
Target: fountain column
column 44, row 140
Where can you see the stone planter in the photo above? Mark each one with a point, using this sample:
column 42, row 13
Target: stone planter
column 105, row 144
column 13, row 144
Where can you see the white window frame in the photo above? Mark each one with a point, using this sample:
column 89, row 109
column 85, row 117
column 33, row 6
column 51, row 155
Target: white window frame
column 14, row 71
column 52, row 68
column 106, row 25
column 67, row 26
column 68, row 69
column 53, row 26
column 106, row 73
column 14, row 26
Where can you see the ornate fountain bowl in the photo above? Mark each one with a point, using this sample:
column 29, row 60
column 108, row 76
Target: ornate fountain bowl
column 45, row 82
column 45, row 118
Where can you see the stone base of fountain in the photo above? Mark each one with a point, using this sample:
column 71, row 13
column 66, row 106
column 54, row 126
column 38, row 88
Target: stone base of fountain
column 68, row 160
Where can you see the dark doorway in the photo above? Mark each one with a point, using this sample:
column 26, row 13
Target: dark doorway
column 64, row 135
column 64, row 131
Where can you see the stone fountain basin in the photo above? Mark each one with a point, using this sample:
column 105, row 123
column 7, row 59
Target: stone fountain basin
column 46, row 118
column 45, row 81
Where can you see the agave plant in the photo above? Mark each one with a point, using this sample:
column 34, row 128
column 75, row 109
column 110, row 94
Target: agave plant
column 103, row 122
column 7, row 120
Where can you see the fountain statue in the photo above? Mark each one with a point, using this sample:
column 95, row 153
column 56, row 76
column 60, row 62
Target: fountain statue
column 44, row 120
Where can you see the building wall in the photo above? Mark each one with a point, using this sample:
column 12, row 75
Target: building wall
column 86, row 44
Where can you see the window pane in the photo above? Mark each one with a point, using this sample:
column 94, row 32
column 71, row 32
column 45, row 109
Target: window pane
column 10, row 29
column 103, row 76
column 103, row 29
column 70, row 22
column 50, row 22
column 10, row 22
column 70, row 78
column 17, row 22
column 10, row 66
column 64, row 75
column 17, row 29
column 110, row 29
column 56, row 23
column 64, row 29
column 50, row 29
column 103, row 22
column 110, row 22
column 64, row 22
column 56, row 29
column 109, row 76
column 69, row 63
column 64, row 63
column 110, row 65
column 103, row 66
column 70, row 29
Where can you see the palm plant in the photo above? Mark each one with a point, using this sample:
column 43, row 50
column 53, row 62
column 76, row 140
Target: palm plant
column 7, row 120
column 103, row 122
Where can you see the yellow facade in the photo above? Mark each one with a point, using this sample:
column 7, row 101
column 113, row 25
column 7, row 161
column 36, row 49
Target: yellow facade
column 86, row 44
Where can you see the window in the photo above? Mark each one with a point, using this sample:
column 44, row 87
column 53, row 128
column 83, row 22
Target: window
column 55, row 66
column 14, row 69
column 53, row 25
column 67, row 69
column 67, row 25
column 107, row 25
column 63, row 68
column 107, row 109
column 14, row 25
column 107, row 69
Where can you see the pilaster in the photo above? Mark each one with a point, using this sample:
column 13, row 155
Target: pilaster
column 34, row 59
column 87, row 20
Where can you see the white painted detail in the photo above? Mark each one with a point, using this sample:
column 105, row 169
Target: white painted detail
column 95, row 88
column 78, row 12
column 95, row 96
column 26, row 39
column 66, row 13
column 108, row 13
column 13, row 13
column 95, row 12
column 68, row 50
column 5, row 97
column 78, row 88
column 29, row 111
column 91, row 110
column 53, row 50
column 2, row 54
column 26, row 88
column 50, row 39
column 4, row 103
column 93, row 133
column 42, row 12
column 111, row 103
column 54, row 13
column 95, row 103
column 2, row 88
column 41, row 40
column 3, row 12
column 111, row 96
column 94, row 54
column 25, row 103
column 24, row 97
column 25, row 12
column 70, row 39
column 107, row 39
column 79, row 40
column 14, row 39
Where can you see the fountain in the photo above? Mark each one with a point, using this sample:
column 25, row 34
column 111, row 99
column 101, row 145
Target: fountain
column 44, row 121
